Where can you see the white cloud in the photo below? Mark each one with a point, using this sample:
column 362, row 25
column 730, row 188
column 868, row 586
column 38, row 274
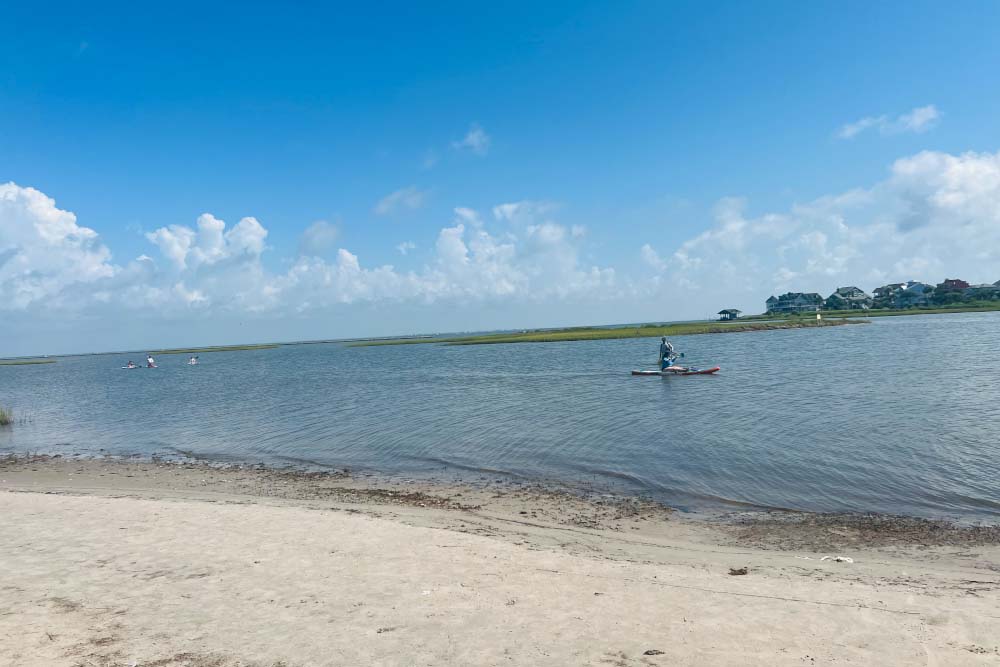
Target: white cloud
column 406, row 198
column 918, row 120
column 538, row 260
column 468, row 216
column 523, row 212
column 246, row 238
column 467, row 265
column 189, row 296
column 652, row 258
column 42, row 249
column 210, row 243
column 212, row 266
column 174, row 242
column 476, row 141
column 318, row 238
column 405, row 247
column 851, row 130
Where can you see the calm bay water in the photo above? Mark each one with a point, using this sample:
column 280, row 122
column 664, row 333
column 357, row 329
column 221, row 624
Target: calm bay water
column 901, row 415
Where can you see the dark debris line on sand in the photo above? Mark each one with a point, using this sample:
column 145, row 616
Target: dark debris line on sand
column 564, row 505
column 802, row 531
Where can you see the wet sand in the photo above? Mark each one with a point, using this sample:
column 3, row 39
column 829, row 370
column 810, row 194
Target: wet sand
column 114, row 563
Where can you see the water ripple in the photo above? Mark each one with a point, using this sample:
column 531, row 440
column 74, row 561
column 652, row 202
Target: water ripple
column 902, row 415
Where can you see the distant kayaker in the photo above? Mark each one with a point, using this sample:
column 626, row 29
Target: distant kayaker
column 192, row 361
column 131, row 364
column 667, row 354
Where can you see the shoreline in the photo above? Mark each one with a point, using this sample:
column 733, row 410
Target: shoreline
column 691, row 505
column 117, row 563
column 696, row 508
column 563, row 502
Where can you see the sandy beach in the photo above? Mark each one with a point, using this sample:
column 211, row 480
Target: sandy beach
column 114, row 563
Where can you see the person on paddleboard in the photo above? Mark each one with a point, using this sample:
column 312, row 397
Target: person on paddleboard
column 150, row 363
column 667, row 354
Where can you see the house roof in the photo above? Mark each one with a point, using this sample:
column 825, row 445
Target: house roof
column 728, row 310
column 793, row 296
column 850, row 291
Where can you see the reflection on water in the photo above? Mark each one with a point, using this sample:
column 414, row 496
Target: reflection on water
column 901, row 415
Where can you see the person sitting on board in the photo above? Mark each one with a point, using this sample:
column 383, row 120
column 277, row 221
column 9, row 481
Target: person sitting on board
column 193, row 360
column 667, row 354
column 130, row 364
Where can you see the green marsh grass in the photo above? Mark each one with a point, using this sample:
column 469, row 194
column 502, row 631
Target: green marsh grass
column 219, row 348
column 25, row 362
column 592, row 333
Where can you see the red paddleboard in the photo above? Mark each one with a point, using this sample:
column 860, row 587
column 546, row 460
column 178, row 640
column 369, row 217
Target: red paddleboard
column 679, row 370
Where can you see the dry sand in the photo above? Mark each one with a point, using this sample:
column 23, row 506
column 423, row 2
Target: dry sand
column 123, row 563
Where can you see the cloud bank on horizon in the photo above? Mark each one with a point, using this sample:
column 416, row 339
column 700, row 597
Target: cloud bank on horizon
column 935, row 215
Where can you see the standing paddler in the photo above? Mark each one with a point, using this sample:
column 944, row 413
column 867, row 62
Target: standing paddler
column 667, row 354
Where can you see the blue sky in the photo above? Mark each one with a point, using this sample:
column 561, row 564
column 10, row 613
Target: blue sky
column 623, row 133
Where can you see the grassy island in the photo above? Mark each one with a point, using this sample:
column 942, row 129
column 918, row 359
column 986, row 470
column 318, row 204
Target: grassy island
column 25, row 362
column 600, row 333
column 219, row 348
